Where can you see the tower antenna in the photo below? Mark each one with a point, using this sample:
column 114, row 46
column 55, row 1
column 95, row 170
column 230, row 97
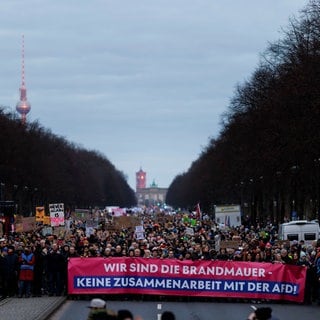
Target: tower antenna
column 23, row 106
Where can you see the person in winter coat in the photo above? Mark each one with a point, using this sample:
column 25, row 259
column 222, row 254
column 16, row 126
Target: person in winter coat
column 55, row 270
column 10, row 269
column 26, row 275
column 39, row 267
column 317, row 266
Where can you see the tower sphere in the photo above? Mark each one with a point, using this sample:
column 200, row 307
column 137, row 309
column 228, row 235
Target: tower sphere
column 23, row 107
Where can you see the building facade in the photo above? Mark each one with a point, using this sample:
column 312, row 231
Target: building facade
column 141, row 182
column 152, row 196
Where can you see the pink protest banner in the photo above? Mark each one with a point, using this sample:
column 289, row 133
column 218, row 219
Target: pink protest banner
column 184, row 278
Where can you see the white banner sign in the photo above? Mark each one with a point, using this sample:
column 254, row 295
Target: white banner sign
column 56, row 214
column 228, row 216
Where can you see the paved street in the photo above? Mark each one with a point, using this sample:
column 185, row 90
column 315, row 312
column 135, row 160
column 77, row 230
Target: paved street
column 58, row 308
column 152, row 310
column 29, row 308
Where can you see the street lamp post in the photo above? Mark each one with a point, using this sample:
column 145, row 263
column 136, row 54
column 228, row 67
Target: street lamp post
column 260, row 200
column 317, row 187
column 2, row 191
column 26, row 205
column 241, row 197
column 294, row 201
column 279, row 217
column 252, row 202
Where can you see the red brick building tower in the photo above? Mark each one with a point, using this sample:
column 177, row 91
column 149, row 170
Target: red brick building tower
column 149, row 196
column 141, row 179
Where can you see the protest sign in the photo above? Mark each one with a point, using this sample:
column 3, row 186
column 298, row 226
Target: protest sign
column 56, row 214
column 184, row 278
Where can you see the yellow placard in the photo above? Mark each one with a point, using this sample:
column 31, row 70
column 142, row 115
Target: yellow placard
column 46, row 220
column 40, row 213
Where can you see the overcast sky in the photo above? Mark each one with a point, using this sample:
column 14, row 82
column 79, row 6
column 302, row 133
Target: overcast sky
column 144, row 82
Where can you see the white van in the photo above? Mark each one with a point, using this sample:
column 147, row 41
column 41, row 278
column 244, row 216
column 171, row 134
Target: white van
column 308, row 231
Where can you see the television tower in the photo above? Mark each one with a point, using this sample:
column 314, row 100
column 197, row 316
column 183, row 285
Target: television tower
column 23, row 106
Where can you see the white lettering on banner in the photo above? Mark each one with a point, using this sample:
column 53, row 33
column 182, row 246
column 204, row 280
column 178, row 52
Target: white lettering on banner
column 138, row 267
column 167, row 283
column 234, row 286
column 170, row 269
column 220, row 271
column 183, row 284
column 115, row 267
column 186, row 270
column 258, row 286
column 285, row 288
column 89, row 282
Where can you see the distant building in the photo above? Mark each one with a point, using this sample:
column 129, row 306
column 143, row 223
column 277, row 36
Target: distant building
column 141, row 179
column 152, row 196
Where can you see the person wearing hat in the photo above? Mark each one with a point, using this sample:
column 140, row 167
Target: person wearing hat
column 263, row 313
column 99, row 311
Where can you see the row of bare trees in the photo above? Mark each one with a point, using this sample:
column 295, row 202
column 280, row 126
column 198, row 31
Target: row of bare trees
column 267, row 155
column 38, row 167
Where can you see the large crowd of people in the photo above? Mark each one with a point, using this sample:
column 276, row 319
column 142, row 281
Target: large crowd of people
column 35, row 264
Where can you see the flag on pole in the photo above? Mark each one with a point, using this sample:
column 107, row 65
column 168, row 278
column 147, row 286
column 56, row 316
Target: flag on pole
column 227, row 221
column 198, row 212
